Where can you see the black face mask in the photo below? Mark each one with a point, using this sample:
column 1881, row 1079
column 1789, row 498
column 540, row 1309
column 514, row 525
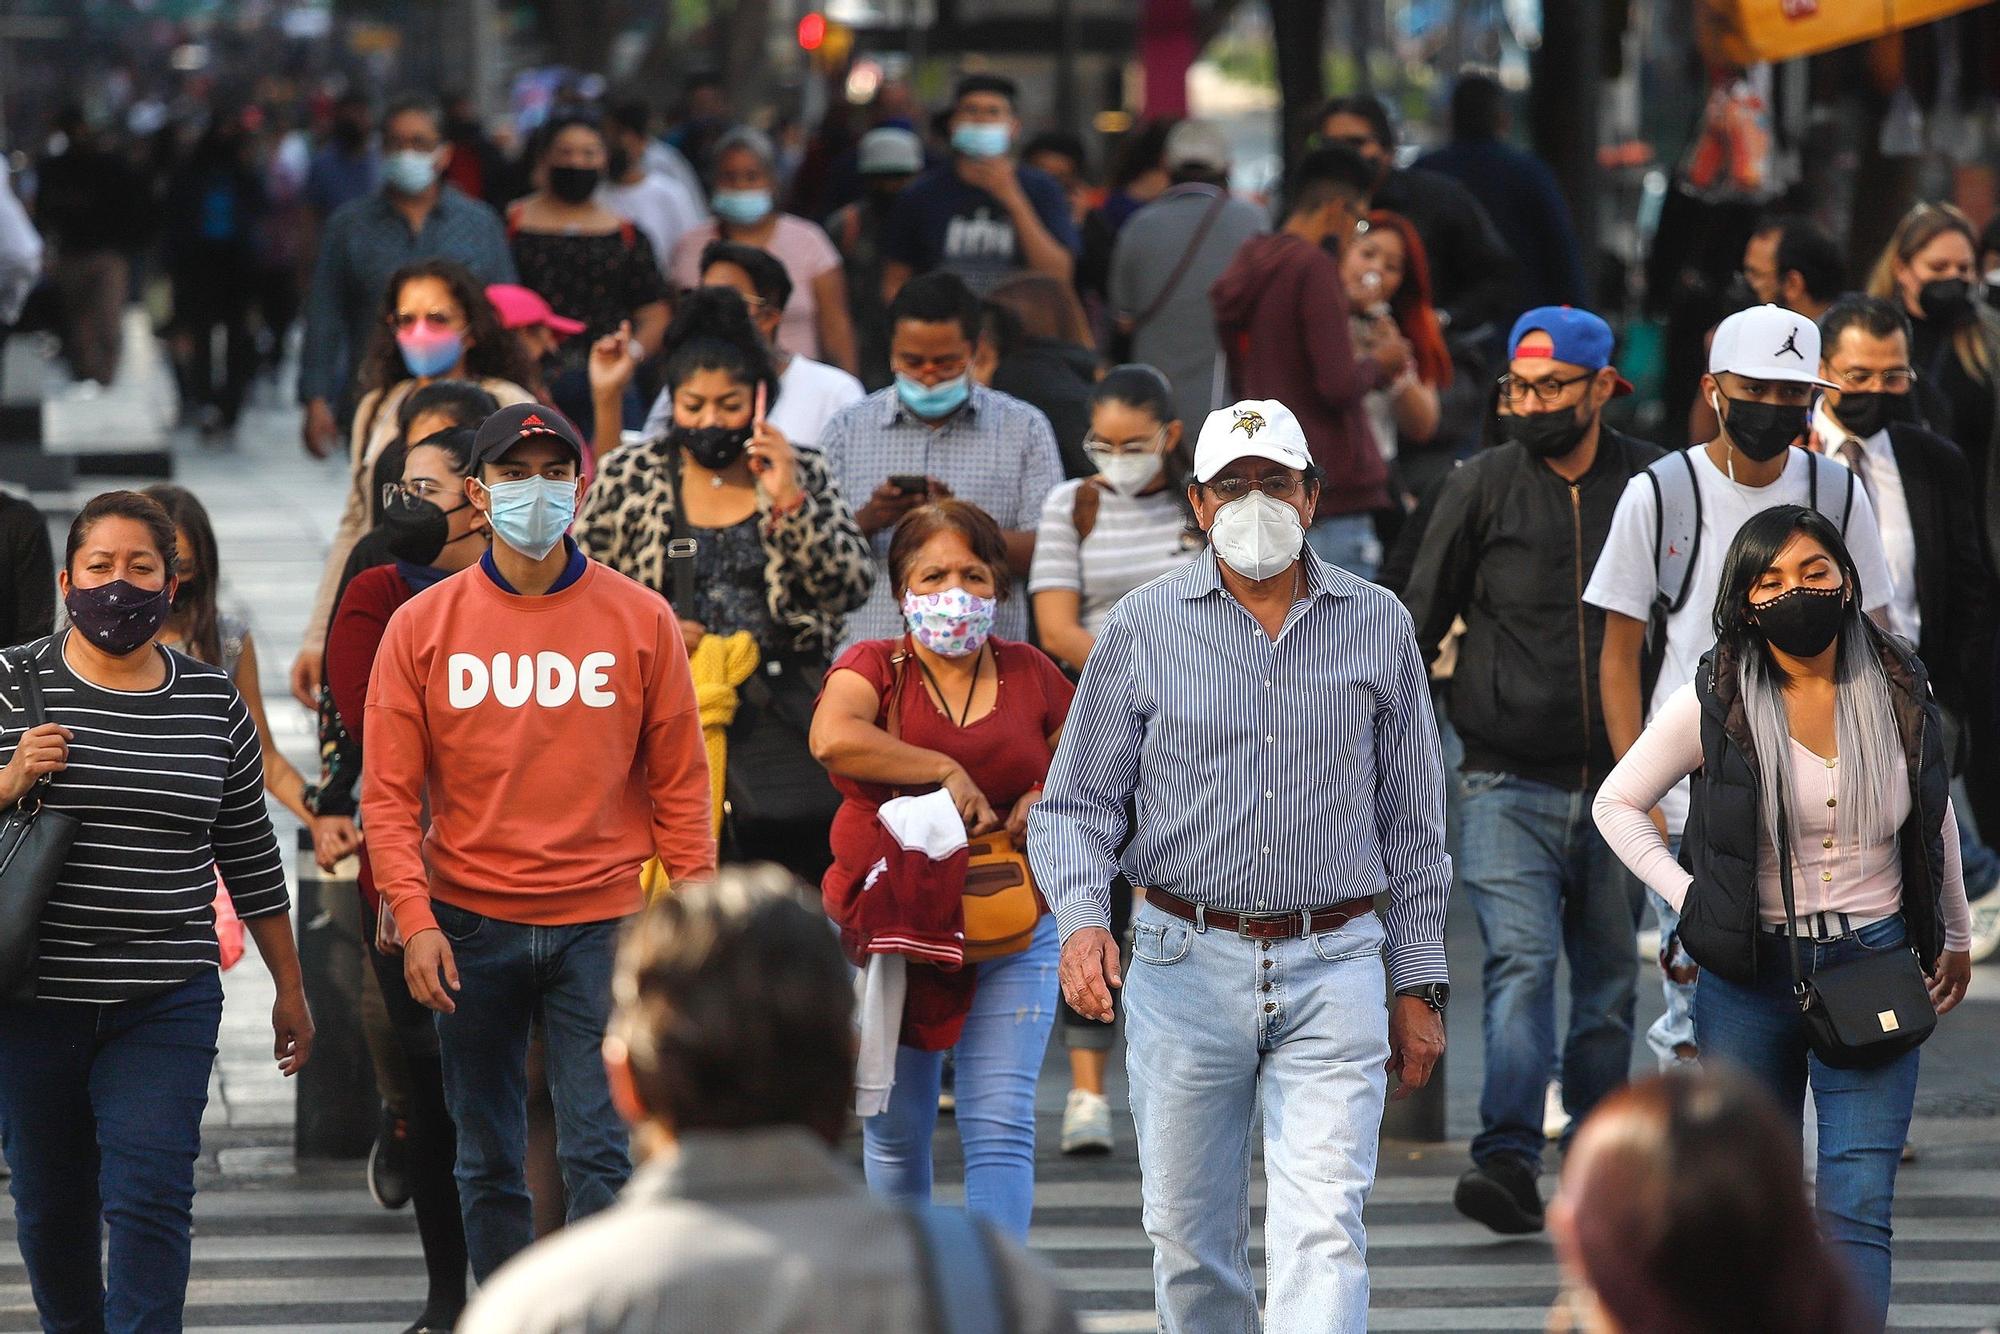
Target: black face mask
column 573, row 185
column 1762, row 431
column 1802, row 622
column 1946, row 302
column 1865, row 414
column 118, row 617
column 713, row 447
column 1546, row 435
column 417, row 531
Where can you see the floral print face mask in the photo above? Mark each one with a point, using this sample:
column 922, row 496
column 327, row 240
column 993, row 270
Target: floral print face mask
column 952, row 623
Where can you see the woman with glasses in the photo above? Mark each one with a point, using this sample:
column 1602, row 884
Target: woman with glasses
column 436, row 325
column 816, row 322
column 1928, row 268
column 1100, row 538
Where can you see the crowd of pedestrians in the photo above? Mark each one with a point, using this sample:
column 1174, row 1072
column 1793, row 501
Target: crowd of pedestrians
column 1136, row 608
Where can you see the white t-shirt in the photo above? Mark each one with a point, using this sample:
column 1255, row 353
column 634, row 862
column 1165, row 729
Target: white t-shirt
column 1135, row 540
column 1626, row 579
column 809, row 393
column 659, row 206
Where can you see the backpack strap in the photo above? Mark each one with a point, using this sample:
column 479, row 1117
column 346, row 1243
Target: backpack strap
column 1820, row 463
column 967, row 1295
column 1676, row 527
column 1083, row 510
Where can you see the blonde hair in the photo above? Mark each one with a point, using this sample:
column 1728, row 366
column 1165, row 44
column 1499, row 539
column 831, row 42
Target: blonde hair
column 1920, row 226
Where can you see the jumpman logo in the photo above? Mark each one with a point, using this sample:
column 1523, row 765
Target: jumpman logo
column 1791, row 345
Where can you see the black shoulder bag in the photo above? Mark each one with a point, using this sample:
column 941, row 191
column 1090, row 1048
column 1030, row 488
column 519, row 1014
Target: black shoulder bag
column 1861, row 1013
column 34, row 845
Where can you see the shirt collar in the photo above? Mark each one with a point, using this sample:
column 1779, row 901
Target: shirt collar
column 572, row 572
column 1832, row 435
column 898, row 413
column 1203, row 576
column 767, row 1162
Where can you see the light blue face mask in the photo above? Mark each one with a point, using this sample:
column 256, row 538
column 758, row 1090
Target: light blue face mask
column 982, row 139
column 931, row 401
column 741, row 207
column 532, row 515
column 410, row 171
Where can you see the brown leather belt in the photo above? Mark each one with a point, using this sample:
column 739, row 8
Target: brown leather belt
column 1262, row 926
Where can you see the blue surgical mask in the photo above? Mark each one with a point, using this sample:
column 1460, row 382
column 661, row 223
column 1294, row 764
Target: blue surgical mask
column 532, row 515
column 932, row 401
column 429, row 353
column 410, row 171
column 987, row 139
column 741, row 207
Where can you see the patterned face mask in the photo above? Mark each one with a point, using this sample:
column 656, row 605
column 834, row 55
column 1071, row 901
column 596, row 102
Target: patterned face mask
column 952, row 623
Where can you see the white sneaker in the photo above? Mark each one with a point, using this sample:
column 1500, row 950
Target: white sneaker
column 1554, row 1119
column 1086, row 1123
column 1986, row 926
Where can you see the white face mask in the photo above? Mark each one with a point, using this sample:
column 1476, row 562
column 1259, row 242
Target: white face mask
column 1257, row 537
column 1127, row 474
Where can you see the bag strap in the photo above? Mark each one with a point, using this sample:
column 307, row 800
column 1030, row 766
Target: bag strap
column 1083, row 510
column 29, row 671
column 681, row 546
column 1819, row 462
column 1181, row 265
column 1785, row 890
column 962, row 1280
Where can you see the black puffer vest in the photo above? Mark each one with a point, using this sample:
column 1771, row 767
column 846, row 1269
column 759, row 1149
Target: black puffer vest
column 1719, row 921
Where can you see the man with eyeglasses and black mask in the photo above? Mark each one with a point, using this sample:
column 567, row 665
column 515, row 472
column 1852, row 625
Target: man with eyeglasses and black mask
column 1515, row 533
column 1657, row 578
column 1943, row 597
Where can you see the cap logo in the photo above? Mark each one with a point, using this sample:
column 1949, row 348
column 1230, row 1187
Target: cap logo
column 1247, row 421
column 1535, row 343
column 1791, row 345
column 532, row 420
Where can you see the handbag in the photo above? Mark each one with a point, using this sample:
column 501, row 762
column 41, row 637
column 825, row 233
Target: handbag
column 34, row 845
column 1000, row 903
column 1863, row 1012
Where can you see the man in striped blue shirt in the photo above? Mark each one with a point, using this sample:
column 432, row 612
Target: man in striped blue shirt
column 1268, row 717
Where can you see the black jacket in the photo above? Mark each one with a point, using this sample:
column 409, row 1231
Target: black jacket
column 1955, row 588
column 1057, row 378
column 1719, row 920
column 27, row 574
column 1509, row 547
column 1475, row 281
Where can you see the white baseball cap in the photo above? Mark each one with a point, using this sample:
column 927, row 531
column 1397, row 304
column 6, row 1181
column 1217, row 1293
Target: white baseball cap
column 1256, row 428
column 1768, row 343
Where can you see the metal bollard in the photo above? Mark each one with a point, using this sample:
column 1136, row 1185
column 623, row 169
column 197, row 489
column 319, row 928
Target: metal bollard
column 338, row 1109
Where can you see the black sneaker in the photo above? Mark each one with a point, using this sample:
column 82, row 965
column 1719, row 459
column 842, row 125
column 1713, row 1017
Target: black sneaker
column 1502, row 1195
column 389, row 1162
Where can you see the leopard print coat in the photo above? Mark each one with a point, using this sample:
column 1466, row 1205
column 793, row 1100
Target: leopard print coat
column 817, row 565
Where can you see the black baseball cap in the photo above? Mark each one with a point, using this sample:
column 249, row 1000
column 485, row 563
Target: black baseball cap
column 510, row 426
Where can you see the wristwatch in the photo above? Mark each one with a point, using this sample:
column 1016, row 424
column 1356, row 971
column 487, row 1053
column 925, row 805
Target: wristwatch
column 1434, row 994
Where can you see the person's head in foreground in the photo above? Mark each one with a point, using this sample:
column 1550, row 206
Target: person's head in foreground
column 1683, row 1211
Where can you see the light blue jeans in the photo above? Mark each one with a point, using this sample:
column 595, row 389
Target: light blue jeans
column 1216, row 1023
column 996, row 1063
column 1349, row 541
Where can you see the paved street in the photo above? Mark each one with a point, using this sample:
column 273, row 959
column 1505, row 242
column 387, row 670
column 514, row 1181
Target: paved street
column 301, row 1247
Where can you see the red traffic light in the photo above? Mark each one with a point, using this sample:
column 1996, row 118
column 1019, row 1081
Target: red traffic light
column 812, row 31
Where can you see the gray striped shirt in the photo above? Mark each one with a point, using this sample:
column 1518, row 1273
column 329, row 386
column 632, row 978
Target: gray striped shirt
column 1269, row 775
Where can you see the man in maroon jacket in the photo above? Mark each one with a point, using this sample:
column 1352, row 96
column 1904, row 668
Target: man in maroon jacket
column 1282, row 320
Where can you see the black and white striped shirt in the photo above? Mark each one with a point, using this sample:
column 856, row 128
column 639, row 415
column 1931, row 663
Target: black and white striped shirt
column 169, row 786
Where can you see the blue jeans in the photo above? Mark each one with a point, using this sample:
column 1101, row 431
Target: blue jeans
column 1864, row 1115
column 1542, row 879
column 1216, row 1025
column 100, row 1112
column 1675, row 1026
column 1349, row 541
column 996, row 1063
column 506, row 972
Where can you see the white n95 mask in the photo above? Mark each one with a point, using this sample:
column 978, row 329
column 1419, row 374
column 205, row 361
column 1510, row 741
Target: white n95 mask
column 1257, row 537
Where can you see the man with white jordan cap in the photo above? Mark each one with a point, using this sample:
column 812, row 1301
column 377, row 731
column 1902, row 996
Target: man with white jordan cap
column 1268, row 715
column 1663, row 558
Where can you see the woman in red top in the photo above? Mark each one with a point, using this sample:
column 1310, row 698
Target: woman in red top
column 978, row 717
column 433, row 532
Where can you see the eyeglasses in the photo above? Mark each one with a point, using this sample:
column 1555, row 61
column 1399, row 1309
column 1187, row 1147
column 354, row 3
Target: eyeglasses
column 1278, row 486
column 1149, row 445
column 1516, row 390
column 1894, row 381
column 404, row 320
column 400, row 495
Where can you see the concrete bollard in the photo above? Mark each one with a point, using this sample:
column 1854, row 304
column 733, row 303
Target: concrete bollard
column 338, row 1109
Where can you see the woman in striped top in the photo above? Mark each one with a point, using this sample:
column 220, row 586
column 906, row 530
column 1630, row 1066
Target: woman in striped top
column 106, row 1072
column 1099, row 539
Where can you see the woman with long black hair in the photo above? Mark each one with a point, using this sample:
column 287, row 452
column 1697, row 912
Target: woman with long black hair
column 1820, row 754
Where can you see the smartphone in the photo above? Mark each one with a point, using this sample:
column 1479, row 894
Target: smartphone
column 910, row 483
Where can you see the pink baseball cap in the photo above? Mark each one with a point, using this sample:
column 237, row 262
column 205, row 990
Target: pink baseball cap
column 520, row 307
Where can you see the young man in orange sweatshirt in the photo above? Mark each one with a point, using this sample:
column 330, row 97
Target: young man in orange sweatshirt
column 542, row 703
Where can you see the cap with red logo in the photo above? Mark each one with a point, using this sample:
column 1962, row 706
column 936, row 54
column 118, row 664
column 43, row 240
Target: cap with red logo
column 1564, row 333
column 524, row 421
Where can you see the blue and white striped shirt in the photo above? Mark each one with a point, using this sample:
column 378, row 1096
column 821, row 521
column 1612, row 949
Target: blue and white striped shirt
column 1269, row 775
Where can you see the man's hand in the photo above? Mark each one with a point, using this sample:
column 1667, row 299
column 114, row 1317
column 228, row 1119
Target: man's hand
column 1416, row 1042
column 1089, row 971
column 291, row 1030
column 425, row 955
column 885, row 508
column 319, row 430
column 306, row 678
column 334, row 837
column 994, row 175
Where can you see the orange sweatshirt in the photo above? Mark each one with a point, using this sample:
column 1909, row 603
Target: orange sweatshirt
column 558, row 739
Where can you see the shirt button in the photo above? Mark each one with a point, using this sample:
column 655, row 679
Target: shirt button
column 1267, row 685
column 1267, row 852
column 1269, row 795
column 1831, row 801
column 1826, row 875
column 1269, row 739
column 1827, row 843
